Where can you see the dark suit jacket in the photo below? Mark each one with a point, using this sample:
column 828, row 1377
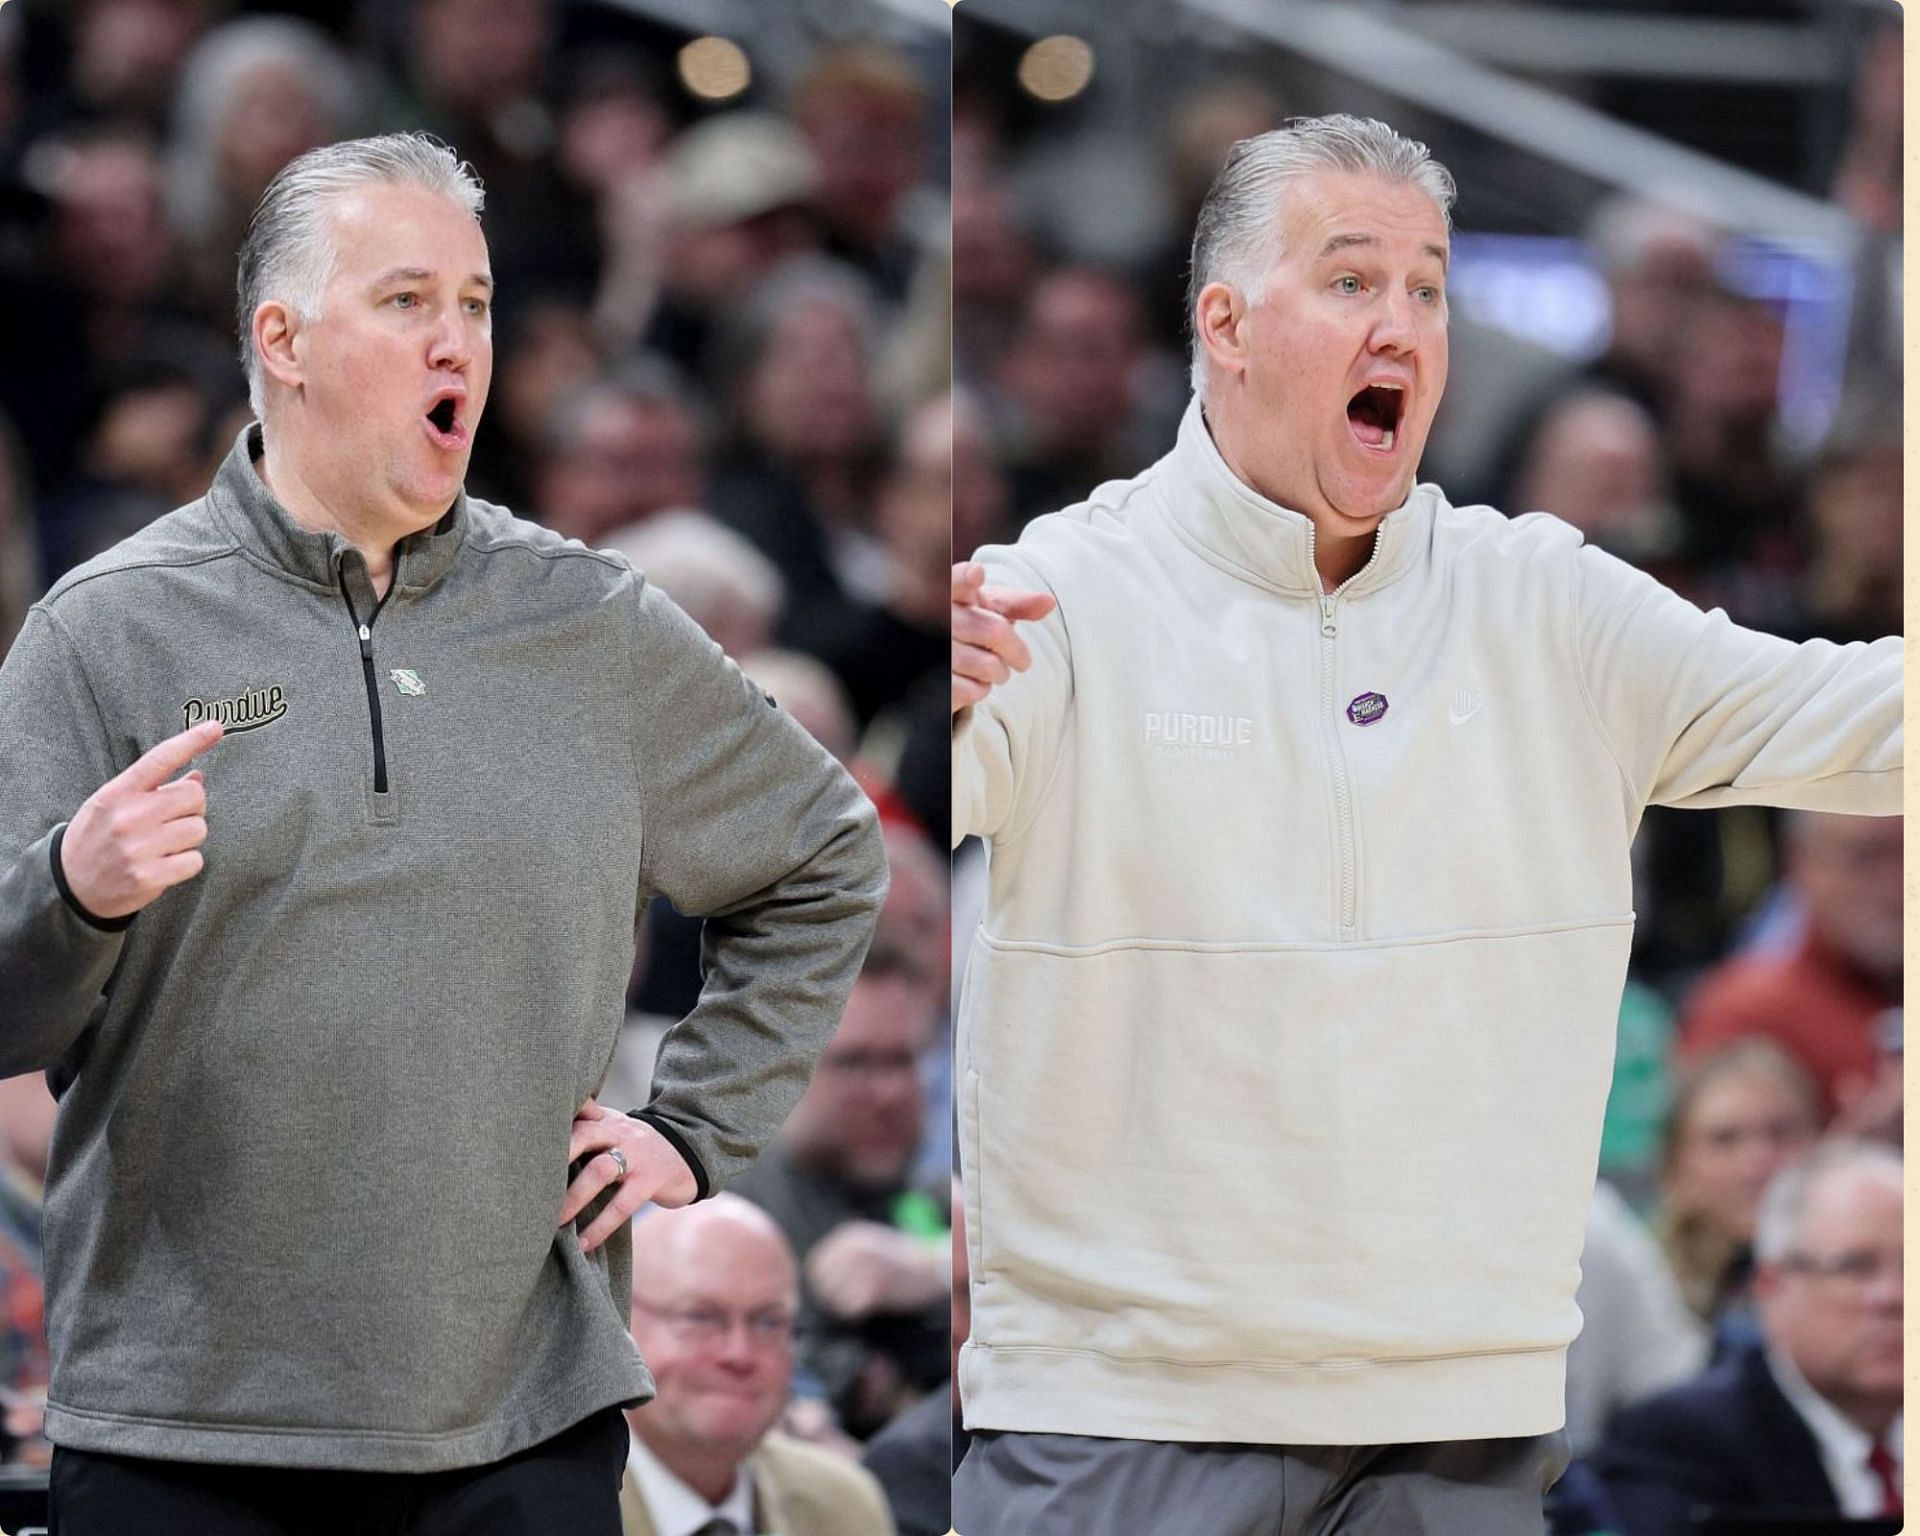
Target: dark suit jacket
column 1727, row 1440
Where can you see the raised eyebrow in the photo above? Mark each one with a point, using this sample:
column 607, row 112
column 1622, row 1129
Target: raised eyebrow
column 421, row 275
column 1345, row 242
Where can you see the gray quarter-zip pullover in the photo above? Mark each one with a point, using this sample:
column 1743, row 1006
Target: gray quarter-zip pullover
column 312, row 1149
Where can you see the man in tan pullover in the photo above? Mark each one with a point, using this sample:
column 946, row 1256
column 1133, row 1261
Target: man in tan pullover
column 1308, row 799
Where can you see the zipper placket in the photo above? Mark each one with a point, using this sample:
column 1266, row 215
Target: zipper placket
column 365, row 634
column 1330, row 732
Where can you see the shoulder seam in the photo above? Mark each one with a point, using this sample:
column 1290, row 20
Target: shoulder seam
column 490, row 546
column 74, row 585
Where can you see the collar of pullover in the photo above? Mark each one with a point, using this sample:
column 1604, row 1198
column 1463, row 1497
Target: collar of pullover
column 1238, row 528
column 241, row 500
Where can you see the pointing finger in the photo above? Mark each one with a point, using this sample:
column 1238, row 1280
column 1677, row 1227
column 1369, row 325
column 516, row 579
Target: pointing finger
column 162, row 762
column 1016, row 605
column 979, row 627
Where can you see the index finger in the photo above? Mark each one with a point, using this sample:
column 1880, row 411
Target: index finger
column 162, row 762
column 1016, row 605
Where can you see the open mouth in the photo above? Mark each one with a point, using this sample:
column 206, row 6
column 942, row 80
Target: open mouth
column 444, row 424
column 1374, row 415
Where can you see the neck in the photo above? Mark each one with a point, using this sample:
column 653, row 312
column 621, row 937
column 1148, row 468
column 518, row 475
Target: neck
column 709, row 1471
column 1337, row 554
column 366, row 531
column 1875, row 1415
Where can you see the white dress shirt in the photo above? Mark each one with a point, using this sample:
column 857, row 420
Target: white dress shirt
column 676, row 1509
column 1844, row 1445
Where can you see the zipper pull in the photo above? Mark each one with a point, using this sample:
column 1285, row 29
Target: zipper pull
column 1326, row 617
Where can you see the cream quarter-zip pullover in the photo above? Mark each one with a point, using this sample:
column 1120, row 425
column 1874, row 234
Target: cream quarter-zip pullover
column 1287, row 1033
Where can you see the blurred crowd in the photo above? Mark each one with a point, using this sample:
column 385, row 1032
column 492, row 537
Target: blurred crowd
column 1762, row 1015
column 721, row 342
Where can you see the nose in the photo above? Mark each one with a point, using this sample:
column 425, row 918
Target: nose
column 1887, row 1286
column 1394, row 330
column 452, row 342
column 735, row 1350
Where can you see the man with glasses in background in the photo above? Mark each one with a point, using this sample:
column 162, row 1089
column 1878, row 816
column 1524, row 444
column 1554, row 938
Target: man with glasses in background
column 1809, row 1422
column 715, row 1295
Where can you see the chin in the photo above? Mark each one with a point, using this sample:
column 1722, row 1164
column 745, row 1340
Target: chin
column 734, row 1426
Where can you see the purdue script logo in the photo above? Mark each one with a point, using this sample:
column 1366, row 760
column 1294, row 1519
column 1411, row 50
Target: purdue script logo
column 253, row 709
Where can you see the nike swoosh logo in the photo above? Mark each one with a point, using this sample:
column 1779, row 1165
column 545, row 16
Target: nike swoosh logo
column 1455, row 717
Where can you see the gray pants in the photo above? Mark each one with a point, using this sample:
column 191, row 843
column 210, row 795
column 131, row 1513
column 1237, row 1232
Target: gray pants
column 1075, row 1485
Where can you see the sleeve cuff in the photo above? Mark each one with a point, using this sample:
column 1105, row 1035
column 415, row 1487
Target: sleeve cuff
column 702, row 1185
column 103, row 924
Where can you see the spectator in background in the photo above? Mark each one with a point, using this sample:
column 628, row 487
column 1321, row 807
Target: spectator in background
column 1739, row 1116
column 1867, row 185
column 255, row 93
column 726, row 586
column 863, row 109
column 1659, row 267
column 872, row 1247
column 802, row 472
column 479, row 74
column 1820, row 1000
column 546, row 352
column 1070, row 381
column 1595, row 460
column 993, row 260
column 1807, row 1422
column 1637, row 1333
column 981, row 503
column 913, row 516
column 734, row 200
column 715, row 1294
column 1734, row 492
column 154, row 446
column 628, row 446
column 1851, row 586
column 27, row 1111
column 126, row 57
column 799, row 355
column 613, row 125
column 19, row 551
column 1201, row 129
column 91, row 297
column 914, row 1457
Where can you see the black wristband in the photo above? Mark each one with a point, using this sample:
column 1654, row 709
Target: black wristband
column 702, row 1185
column 104, row 924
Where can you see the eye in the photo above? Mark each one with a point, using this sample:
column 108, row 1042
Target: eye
column 1426, row 293
column 405, row 301
column 1347, row 284
column 479, row 308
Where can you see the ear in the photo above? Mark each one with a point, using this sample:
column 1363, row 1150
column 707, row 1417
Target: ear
column 278, row 343
column 1220, row 321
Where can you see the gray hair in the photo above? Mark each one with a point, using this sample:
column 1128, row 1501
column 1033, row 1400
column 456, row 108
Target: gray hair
column 289, row 251
column 1237, row 235
column 704, row 566
column 1783, row 1209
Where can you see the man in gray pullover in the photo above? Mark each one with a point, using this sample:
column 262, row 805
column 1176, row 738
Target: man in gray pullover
column 329, row 1010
